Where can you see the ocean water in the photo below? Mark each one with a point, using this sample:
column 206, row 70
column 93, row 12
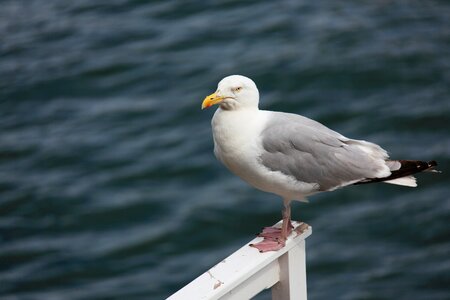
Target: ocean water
column 108, row 185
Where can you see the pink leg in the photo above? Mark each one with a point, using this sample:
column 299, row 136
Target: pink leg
column 286, row 227
column 275, row 238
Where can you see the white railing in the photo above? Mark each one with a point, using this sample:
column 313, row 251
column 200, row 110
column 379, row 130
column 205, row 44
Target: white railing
column 246, row 272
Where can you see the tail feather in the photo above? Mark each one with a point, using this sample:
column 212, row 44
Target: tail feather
column 405, row 181
column 401, row 171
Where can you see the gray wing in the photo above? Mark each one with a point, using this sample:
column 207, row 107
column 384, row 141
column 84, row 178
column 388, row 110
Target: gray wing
column 311, row 152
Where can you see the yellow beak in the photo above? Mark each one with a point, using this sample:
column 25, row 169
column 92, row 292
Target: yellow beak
column 211, row 100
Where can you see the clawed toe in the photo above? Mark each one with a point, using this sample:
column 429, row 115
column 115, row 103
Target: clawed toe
column 268, row 245
column 275, row 238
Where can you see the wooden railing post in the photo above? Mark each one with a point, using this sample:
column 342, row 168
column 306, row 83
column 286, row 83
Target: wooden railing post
column 292, row 284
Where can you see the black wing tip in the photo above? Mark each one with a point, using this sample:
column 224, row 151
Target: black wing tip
column 417, row 165
column 432, row 163
column 408, row 167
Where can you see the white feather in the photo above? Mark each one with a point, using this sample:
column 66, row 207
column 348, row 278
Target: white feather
column 406, row 181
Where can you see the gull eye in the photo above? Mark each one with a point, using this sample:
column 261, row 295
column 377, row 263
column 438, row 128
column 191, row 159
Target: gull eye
column 238, row 89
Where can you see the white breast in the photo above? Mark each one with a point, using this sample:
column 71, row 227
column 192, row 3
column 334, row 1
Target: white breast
column 237, row 137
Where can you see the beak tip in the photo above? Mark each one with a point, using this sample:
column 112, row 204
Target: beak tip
column 211, row 100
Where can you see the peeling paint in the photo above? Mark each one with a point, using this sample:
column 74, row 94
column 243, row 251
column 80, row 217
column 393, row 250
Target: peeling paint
column 301, row 228
column 218, row 282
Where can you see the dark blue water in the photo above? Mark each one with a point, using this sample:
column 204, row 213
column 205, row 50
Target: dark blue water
column 108, row 185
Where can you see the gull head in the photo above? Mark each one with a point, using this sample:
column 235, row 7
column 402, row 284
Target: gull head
column 234, row 92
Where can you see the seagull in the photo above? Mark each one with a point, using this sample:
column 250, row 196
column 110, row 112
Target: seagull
column 293, row 156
